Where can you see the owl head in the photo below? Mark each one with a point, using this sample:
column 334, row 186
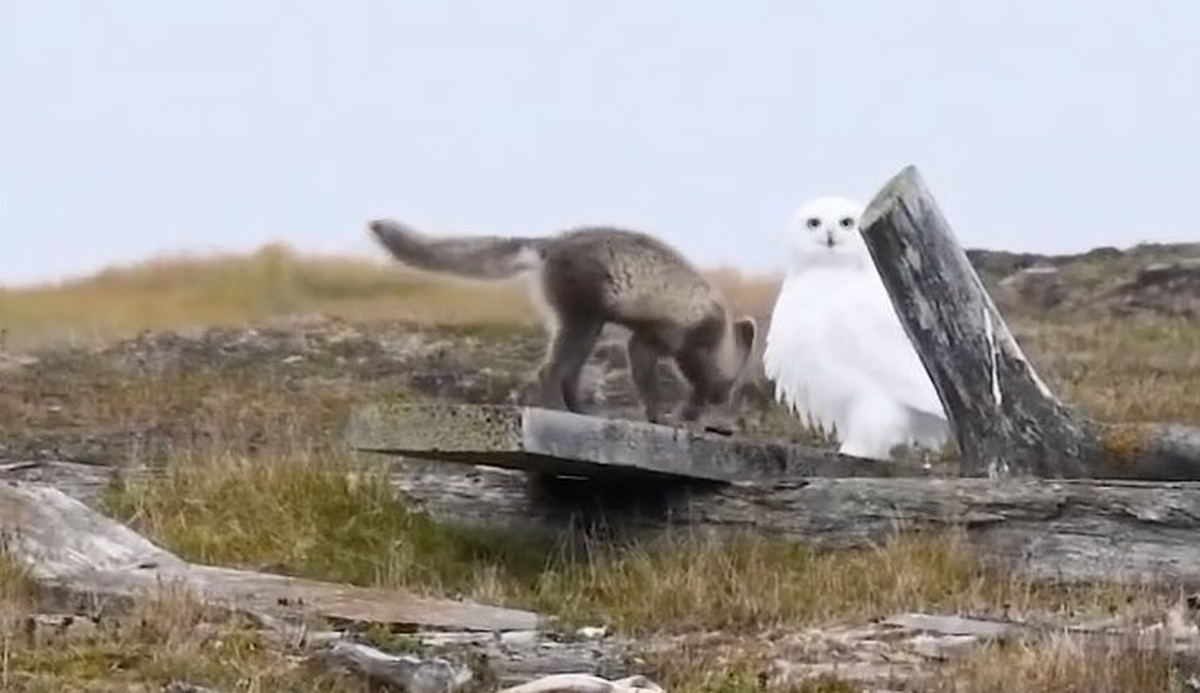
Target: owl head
column 824, row 231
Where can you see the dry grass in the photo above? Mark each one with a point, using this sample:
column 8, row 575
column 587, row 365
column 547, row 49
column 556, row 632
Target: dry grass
column 1138, row 369
column 168, row 637
column 185, row 291
column 255, row 479
column 1062, row 666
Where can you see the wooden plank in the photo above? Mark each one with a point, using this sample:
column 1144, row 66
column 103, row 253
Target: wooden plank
column 569, row 444
column 1006, row 420
column 77, row 555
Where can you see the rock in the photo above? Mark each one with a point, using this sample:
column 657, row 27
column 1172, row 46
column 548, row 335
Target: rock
column 1040, row 288
column 943, row 647
column 1162, row 288
column 953, row 625
column 1169, row 273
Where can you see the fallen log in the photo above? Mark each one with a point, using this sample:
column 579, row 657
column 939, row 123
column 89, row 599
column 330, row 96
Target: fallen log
column 1006, row 420
column 1083, row 531
column 1069, row 530
column 1074, row 530
column 78, row 557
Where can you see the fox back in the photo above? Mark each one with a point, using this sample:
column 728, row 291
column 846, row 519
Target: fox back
column 630, row 278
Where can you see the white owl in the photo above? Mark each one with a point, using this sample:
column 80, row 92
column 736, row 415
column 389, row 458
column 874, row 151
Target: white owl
column 836, row 349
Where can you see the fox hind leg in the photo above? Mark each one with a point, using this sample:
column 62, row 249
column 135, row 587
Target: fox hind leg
column 643, row 363
column 570, row 347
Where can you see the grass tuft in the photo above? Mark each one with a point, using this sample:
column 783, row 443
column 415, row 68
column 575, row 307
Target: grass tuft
column 1062, row 666
column 311, row 515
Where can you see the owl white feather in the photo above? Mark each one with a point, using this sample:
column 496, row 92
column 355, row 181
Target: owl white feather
column 836, row 350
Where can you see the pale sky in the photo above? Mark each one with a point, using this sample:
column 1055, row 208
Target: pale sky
column 135, row 127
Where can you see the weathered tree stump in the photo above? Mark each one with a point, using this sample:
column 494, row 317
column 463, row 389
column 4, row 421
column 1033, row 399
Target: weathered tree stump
column 1005, row 418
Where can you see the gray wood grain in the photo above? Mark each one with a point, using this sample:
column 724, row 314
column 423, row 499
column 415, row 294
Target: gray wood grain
column 78, row 556
column 1076, row 530
column 1073, row 530
column 1006, row 420
column 564, row 443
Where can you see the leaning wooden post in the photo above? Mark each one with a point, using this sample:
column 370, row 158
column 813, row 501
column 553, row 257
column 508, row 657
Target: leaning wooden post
column 1005, row 418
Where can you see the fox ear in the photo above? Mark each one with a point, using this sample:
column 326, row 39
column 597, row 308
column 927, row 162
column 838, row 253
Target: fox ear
column 744, row 331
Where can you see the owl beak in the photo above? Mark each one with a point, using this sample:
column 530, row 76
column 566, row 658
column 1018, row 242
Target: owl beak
column 829, row 240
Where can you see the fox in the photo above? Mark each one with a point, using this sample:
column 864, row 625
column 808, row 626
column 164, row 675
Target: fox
column 584, row 277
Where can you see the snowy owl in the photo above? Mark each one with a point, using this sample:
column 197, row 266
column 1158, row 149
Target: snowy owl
column 836, row 350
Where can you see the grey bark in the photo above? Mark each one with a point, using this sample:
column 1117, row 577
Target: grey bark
column 1006, row 420
column 1073, row 530
column 562, row 443
column 401, row 672
column 1070, row 530
column 80, row 558
column 1114, row 530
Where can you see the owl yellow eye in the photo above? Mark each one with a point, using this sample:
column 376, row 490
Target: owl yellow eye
column 846, row 222
column 812, row 222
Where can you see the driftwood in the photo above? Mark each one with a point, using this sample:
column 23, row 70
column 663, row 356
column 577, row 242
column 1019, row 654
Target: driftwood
column 586, row 683
column 1006, row 420
column 563, row 443
column 1075, row 530
column 84, row 562
column 80, row 558
column 403, row 672
column 1072, row 530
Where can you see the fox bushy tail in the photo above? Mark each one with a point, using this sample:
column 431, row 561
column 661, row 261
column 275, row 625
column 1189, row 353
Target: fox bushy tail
column 476, row 257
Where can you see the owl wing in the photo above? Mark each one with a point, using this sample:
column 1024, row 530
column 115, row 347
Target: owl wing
column 803, row 355
column 838, row 335
column 876, row 342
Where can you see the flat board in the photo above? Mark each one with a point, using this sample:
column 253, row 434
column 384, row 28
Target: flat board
column 568, row 444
